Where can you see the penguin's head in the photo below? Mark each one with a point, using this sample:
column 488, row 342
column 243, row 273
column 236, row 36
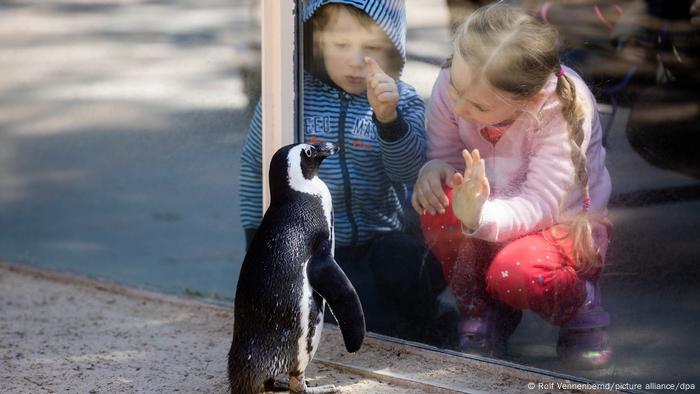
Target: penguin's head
column 295, row 166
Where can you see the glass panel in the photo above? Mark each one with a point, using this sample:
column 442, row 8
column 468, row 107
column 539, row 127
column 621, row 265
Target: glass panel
column 121, row 129
column 638, row 60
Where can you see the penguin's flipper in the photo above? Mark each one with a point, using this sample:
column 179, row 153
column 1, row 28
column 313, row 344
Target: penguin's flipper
column 329, row 280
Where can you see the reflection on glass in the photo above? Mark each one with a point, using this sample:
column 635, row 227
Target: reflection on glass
column 354, row 98
column 122, row 125
column 639, row 61
column 526, row 224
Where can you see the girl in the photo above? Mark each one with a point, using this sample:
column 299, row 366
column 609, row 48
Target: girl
column 525, row 226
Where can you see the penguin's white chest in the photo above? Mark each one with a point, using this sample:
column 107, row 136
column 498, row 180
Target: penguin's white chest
column 316, row 187
column 304, row 353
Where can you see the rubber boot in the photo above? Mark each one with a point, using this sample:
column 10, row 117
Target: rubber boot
column 583, row 340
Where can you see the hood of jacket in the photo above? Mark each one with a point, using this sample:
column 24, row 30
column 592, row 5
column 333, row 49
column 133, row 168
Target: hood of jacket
column 390, row 15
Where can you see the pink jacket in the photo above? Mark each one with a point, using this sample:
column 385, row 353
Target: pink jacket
column 529, row 168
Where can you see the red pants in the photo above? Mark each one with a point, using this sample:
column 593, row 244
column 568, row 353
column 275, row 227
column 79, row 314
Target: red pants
column 532, row 272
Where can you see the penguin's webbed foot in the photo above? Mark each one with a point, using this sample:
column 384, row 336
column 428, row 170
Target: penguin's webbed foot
column 297, row 384
column 328, row 389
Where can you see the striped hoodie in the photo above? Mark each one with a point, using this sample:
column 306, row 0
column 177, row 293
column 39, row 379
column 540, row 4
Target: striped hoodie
column 368, row 177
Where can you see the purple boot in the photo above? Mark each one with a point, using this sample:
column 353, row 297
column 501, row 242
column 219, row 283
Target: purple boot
column 583, row 340
column 487, row 335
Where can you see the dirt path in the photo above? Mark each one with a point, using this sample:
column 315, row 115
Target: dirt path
column 65, row 334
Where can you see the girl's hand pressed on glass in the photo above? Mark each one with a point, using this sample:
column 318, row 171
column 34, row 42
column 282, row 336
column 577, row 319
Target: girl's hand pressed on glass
column 471, row 190
column 428, row 194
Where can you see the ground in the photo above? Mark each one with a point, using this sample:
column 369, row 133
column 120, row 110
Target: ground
column 60, row 333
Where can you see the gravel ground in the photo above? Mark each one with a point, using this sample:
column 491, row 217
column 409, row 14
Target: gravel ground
column 60, row 333
column 58, row 337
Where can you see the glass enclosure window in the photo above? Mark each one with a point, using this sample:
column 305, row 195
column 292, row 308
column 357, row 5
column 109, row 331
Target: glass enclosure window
column 121, row 129
column 640, row 61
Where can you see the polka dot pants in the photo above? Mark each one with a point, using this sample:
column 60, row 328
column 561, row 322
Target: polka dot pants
column 532, row 272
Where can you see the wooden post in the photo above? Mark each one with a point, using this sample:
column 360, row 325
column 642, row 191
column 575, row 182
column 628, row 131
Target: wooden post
column 278, row 82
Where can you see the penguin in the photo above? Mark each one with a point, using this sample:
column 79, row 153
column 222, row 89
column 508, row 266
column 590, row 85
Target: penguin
column 288, row 275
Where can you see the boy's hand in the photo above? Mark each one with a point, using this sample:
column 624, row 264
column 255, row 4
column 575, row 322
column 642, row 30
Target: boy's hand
column 428, row 194
column 471, row 190
column 382, row 92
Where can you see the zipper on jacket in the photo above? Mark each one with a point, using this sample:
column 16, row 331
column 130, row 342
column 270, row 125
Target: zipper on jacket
column 344, row 101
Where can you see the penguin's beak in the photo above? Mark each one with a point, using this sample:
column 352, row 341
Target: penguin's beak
column 325, row 149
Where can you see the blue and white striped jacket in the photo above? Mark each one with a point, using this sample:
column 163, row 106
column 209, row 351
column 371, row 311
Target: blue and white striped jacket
column 368, row 177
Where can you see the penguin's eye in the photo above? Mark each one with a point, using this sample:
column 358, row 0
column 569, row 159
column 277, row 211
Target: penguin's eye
column 307, row 150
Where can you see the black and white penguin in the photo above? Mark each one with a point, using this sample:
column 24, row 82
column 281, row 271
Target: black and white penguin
column 287, row 276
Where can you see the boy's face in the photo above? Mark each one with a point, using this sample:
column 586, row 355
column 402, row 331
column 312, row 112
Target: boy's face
column 344, row 43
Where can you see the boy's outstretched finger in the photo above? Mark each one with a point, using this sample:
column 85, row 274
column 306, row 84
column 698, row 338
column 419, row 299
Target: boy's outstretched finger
column 373, row 67
column 373, row 80
column 384, row 87
column 388, row 97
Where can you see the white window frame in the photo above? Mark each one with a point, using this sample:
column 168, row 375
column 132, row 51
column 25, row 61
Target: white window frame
column 278, row 82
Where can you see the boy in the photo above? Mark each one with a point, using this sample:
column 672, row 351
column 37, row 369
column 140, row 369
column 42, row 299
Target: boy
column 352, row 98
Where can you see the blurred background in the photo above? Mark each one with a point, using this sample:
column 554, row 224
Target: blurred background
column 121, row 124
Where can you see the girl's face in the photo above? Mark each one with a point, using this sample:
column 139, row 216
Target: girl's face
column 475, row 101
column 344, row 43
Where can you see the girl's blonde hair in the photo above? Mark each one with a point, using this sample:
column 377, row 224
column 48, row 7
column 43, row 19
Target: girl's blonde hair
column 516, row 53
